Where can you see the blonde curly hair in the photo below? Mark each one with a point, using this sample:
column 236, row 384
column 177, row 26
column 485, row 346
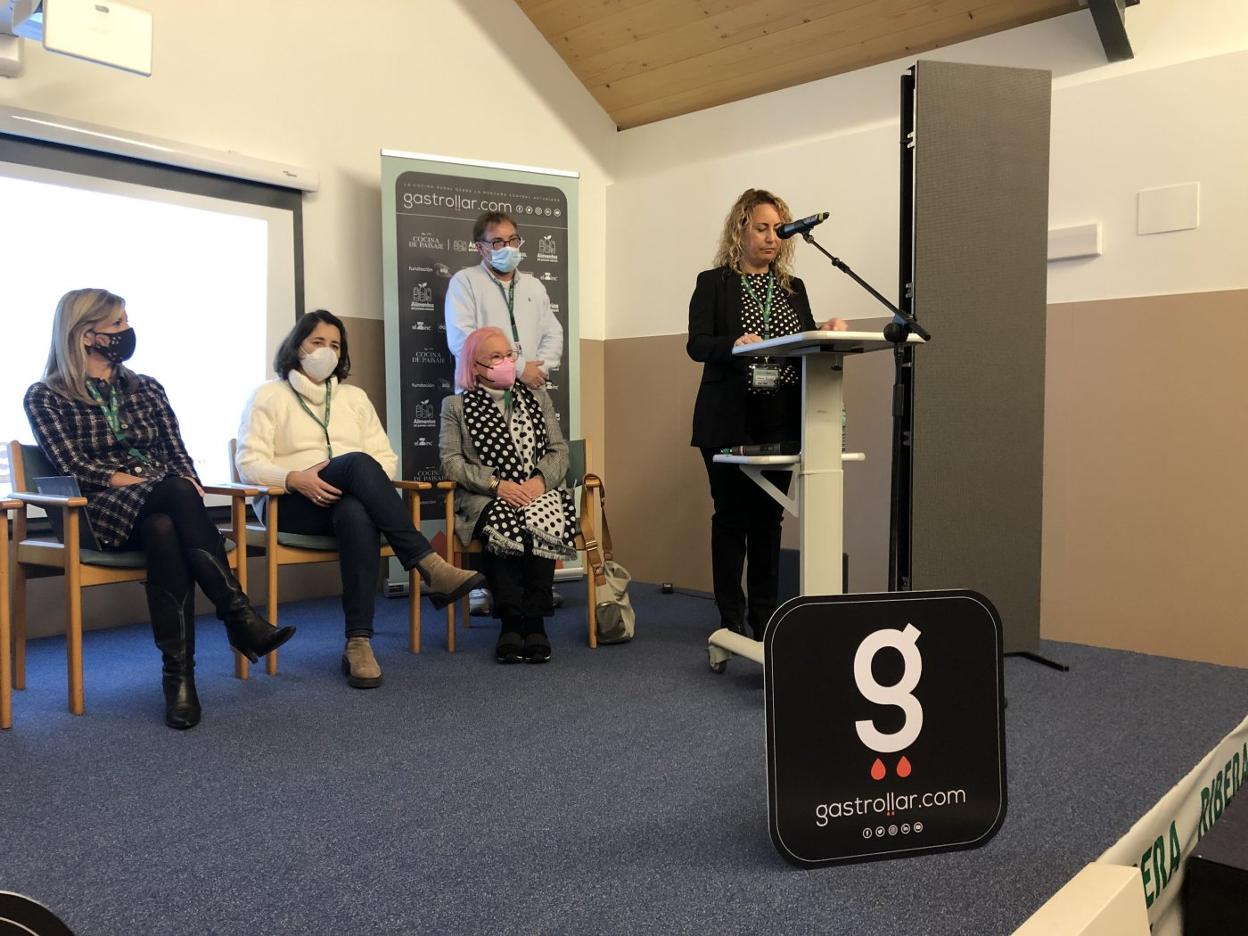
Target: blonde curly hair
column 730, row 250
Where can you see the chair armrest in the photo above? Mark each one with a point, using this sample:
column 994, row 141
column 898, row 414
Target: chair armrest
column 60, row 501
column 233, row 489
column 591, row 483
column 412, row 485
column 10, row 504
column 445, row 485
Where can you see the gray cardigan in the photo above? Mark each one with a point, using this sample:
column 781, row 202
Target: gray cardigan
column 462, row 464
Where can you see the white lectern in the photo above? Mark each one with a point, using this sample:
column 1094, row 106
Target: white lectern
column 820, row 477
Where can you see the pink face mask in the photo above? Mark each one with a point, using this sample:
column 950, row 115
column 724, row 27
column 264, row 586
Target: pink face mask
column 503, row 373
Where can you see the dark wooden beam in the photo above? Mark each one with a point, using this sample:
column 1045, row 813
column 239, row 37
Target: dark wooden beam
column 1111, row 25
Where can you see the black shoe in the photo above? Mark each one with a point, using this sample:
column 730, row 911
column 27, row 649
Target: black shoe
column 173, row 627
column 249, row 633
column 536, row 643
column 536, row 648
column 510, row 647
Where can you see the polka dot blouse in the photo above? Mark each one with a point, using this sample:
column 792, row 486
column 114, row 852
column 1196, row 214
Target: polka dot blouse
column 784, row 321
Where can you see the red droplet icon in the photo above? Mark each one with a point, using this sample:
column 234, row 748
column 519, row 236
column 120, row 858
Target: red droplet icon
column 903, row 767
column 878, row 770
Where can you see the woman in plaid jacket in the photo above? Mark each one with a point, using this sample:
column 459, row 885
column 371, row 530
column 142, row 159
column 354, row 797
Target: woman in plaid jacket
column 115, row 433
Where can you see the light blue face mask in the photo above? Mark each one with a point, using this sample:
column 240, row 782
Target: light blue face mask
column 505, row 259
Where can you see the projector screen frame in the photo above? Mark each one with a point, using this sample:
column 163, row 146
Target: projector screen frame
column 71, row 159
column 40, row 155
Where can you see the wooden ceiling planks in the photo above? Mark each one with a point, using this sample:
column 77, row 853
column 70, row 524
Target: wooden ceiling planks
column 646, row 60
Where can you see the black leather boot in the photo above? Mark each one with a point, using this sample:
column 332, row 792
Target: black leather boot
column 249, row 633
column 173, row 627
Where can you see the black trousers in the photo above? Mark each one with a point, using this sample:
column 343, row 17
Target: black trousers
column 745, row 535
column 519, row 585
column 746, row 525
column 370, row 506
column 172, row 520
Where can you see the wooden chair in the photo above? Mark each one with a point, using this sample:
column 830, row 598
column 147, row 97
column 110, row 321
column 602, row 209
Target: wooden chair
column 6, row 649
column 287, row 549
column 83, row 568
column 586, row 538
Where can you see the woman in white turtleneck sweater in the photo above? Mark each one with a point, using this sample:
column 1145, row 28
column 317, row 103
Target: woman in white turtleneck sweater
column 320, row 439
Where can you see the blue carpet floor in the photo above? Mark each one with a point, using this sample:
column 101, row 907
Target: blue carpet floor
column 621, row 790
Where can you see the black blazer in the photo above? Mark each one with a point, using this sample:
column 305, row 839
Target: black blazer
column 714, row 324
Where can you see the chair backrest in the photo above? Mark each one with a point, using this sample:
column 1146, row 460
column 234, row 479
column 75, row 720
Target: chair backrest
column 577, row 462
column 26, row 462
column 233, row 467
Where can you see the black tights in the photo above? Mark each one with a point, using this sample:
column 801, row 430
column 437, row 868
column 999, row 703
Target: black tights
column 172, row 520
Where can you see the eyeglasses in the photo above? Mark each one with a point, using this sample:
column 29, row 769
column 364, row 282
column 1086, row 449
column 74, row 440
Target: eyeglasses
column 498, row 243
column 498, row 357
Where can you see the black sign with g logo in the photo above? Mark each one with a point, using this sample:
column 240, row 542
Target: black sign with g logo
column 885, row 725
column 21, row 916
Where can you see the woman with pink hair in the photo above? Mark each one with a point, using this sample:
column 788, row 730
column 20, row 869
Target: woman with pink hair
column 502, row 445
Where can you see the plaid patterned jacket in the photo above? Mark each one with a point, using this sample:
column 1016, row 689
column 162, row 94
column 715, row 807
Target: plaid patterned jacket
column 76, row 439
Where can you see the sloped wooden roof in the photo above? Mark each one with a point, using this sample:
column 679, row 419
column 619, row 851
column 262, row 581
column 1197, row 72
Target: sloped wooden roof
column 645, row 60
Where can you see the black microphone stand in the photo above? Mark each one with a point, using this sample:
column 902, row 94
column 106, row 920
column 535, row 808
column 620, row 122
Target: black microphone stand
column 897, row 331
column 903, row 324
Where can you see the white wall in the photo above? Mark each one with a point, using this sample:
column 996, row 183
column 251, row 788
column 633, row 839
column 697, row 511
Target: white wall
column 1176, row 113
column 327, row 85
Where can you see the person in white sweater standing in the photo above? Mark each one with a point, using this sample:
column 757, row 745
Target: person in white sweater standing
column 320, row 439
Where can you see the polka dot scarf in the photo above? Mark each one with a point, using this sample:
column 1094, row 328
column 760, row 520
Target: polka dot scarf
column 549, row 522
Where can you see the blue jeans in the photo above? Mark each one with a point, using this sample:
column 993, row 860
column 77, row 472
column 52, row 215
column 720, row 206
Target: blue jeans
column 369, row 507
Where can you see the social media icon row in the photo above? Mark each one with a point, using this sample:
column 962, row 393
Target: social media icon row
column 880, row 832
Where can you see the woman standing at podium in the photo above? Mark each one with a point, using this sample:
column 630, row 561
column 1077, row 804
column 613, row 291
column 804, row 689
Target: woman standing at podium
column 751, row 295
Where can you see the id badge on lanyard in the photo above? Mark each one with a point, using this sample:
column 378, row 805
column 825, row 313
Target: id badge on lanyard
column 764, row 374
column 509, row 297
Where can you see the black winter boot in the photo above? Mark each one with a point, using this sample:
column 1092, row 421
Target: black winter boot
column 536, row 643
column 173, row 627
column 510, row 646
column 249, row 633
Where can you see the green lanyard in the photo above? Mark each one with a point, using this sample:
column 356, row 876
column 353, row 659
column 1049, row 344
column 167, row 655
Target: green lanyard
column 771, row 285
column 324, row 425
column 112, row 415
column 509, row 297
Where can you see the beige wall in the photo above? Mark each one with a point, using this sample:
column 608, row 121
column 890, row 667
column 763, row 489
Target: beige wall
column 660, row 504
column 1145, row 450
column 1145, row 455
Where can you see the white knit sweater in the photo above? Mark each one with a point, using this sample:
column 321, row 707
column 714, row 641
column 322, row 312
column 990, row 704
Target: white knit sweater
column 276, row 436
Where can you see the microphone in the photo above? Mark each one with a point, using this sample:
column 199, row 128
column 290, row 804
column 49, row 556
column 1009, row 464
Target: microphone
column 785, row 231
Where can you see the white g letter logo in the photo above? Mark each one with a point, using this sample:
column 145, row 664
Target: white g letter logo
column 898, row 695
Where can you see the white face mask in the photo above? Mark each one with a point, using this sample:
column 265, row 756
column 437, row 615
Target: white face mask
column 505, row 259
column 319, row 364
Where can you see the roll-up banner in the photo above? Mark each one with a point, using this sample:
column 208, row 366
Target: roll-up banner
column 429, row 204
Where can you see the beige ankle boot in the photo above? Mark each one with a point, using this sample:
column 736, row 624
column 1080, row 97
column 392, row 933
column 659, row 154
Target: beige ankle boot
column 359, row 665
column 446, row 582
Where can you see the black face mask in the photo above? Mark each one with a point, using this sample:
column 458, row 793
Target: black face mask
column 120, row 346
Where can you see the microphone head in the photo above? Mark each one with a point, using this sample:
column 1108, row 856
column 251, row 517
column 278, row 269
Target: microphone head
column 801, row 225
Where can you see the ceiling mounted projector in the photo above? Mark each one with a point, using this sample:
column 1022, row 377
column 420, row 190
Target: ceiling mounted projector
column 104, row 32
